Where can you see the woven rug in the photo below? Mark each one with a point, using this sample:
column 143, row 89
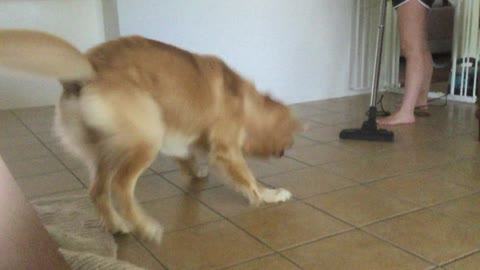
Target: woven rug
column 71, row 221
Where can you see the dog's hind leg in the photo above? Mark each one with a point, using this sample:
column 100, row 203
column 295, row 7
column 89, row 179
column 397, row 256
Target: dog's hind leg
column 137, row 159
column 100, row 193
column 190, row 168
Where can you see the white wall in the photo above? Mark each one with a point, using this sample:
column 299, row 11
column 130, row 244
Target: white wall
column 78, row 21
column 298, row 50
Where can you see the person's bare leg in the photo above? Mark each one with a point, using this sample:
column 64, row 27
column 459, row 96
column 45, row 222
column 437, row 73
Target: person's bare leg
column 422, row 100
column 413, row 39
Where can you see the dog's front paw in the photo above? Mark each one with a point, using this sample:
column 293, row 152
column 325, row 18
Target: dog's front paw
column 116, row 224
column 275, row 195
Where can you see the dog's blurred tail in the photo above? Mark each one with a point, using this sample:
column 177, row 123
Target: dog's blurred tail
column 43, row 54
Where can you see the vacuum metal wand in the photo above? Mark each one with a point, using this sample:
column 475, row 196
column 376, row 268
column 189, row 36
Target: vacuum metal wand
column 369, row 131
column 378, row 55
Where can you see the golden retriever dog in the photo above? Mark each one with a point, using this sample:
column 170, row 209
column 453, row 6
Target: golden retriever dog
column 128, row 99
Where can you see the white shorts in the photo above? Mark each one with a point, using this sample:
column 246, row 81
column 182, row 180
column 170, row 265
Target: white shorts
column 426, row 3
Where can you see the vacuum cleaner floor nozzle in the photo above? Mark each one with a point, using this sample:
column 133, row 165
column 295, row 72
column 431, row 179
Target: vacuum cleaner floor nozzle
column 382, row 135
column 368, row 131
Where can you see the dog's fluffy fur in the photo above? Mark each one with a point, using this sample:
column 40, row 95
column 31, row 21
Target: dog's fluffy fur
column 128, row 99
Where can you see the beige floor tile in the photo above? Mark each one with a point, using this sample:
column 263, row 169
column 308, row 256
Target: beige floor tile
column 322, row 134
column 67, row 158
column 423, row 188
column 10, row 121
column 35, row 114
column 211, row 246
column 460, row 127
column 460, row 147
column 465, row 209
column 308, row 124
column 154, row 187
column 33, row 167
column 320, row 154
column 72, row 162
column 368, row 168
column 57, row 148
column 422, row 158
column 263, row 168
column 354, row 250
column 388, row 164
column 307, row 182
column 303, row 110
column 180, row 212
column 274, row 262
column 14, row 141
column 471, row 262
column 363, row 147
column 360, row 205
column 48, row 137
column 37, row 186
column 434, row 162
column 188, row 184
column 464, row 172
column 164, row 164
column 227, row 201
column 340, row 106
column 435, row 237
column 289, row 224
column 301, row 141
column 130, row 250
column 6, row 114
column 38, row 119
column 83, row 175
column 17, row 129
column 24, row 152
column 416, row 134
column 46, row 125
column 335, row 119
column 453, row 123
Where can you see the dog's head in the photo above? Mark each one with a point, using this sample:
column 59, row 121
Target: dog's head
column 270, row 127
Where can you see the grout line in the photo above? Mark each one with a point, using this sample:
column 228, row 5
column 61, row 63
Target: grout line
column 279, row 252
column 54, row 155
column 148, row 250
column 40, row 174
column 248, row 261
column 460, row 258
column 225, row 218
column 54, row 193
column 229, row 219
column 292, row 158
column 399, row 247
column 362, row 228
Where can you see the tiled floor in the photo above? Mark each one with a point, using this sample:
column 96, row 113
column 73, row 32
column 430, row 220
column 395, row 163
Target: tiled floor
column 411, row 204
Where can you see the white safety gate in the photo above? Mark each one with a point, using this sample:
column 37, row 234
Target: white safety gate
column 464, row 79
column 464, row 75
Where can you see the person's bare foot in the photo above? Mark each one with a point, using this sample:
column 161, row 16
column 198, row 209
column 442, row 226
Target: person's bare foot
column 423, row 106
column 398, row 118
column 421, row 111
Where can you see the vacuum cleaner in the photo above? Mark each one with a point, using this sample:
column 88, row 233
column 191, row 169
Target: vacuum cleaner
column 369, row 130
